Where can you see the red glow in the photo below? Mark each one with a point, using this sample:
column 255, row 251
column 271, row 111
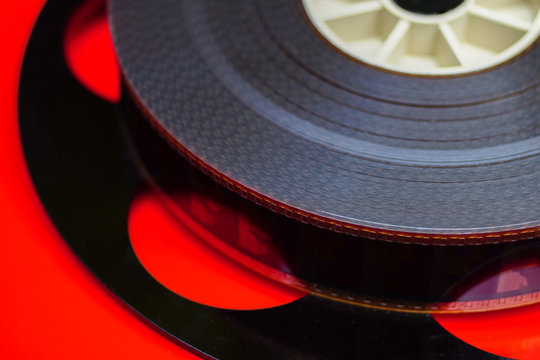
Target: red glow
column 238, row 234
column 169, row 247
column 511, row 333
column 50, row 307
column 89, row 51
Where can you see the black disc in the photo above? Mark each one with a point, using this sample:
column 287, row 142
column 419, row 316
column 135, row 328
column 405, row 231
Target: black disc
column 429, row 6
column 86, row 177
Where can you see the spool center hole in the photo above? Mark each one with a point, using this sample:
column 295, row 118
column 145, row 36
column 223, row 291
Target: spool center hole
column 430, row 7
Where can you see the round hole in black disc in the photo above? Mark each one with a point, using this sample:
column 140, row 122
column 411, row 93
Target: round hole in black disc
column 429, row 6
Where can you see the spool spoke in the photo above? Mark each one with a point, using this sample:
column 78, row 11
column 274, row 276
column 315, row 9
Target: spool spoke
column 395, row 40
column 500, row 18
column 453, row 43
column 341, row 10
column 522, row 9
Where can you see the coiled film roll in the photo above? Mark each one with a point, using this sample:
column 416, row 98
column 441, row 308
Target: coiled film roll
column 388, row 186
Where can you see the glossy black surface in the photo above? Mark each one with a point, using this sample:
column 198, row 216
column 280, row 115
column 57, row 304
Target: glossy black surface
column 86, row 179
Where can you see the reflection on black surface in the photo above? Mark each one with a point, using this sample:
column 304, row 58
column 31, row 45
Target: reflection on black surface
column 510, row 280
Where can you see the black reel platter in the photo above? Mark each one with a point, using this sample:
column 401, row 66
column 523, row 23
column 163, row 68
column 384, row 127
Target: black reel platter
column 89, row 173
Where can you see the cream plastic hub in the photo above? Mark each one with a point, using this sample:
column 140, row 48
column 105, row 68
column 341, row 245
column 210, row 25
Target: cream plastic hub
column 418, row 37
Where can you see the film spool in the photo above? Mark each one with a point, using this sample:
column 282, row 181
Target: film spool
column 249, row 93
column 444, row 37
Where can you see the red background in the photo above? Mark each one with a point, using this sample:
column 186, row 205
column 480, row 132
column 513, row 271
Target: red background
column 51, row 307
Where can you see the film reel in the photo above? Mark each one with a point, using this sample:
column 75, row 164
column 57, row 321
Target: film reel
column 249, row 92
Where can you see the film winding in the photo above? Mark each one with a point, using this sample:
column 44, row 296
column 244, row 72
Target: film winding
column 249, row 90
column 443, row 169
